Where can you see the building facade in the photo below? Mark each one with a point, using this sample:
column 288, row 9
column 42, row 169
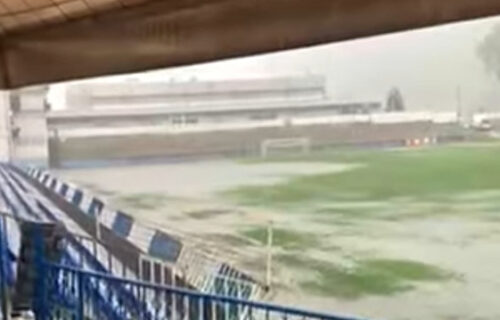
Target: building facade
column 28, row 126
column 195, row 94
column 200, row 104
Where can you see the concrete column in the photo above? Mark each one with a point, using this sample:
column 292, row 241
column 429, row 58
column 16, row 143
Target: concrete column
column 30, row 147
column 5, row 136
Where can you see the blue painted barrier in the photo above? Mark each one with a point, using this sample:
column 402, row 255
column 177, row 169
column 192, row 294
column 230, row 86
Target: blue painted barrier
column 67, row 294
column 79, row 287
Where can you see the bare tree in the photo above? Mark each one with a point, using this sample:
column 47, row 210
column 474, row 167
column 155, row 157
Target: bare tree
column 395, row 101
column 489, row 51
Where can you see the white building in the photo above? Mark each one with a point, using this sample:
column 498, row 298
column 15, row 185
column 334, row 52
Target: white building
column 4, row 127
column 28, row 126
column 195, row 94
column 194, row 104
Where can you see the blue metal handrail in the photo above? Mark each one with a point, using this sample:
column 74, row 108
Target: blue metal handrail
column 119, row 290
column 72, row 292
column 165, row 302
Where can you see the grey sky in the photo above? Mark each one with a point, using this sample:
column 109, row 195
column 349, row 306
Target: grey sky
column 428, row 65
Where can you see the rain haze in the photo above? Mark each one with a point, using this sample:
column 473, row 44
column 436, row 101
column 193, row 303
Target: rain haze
column 428, row 65
column 343, row 178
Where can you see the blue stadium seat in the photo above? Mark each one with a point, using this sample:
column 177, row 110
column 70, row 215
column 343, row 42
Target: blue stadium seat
column 165, row 247
column 77, row 197
column 122, row 224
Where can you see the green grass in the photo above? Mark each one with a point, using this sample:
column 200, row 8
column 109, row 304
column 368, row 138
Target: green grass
column 286, row 239
column 207, row 213
column 425, row 173
column 401, row 210
column 369, row 277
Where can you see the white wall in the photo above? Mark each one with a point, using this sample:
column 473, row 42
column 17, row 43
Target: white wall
column 245, row 124
column 31, row 146
column 479, row 117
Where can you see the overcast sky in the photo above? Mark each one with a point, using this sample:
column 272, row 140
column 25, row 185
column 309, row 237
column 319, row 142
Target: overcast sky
column 428, row 65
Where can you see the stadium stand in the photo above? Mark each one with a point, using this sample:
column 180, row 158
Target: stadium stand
column 77, row 151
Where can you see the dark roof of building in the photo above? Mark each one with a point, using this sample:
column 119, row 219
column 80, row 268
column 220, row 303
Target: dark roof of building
column 54, row 40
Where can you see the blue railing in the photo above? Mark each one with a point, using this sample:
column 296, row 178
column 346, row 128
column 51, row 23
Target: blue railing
column 68, row 290
column 70, row 293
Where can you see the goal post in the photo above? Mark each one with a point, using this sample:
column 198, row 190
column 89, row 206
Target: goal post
column 268, row 145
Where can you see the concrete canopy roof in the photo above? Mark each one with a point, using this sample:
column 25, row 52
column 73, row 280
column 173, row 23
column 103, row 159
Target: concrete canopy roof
column 53, row 40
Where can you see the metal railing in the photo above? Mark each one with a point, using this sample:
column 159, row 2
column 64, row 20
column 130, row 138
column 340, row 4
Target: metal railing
column 70, row 293
column 69, row 290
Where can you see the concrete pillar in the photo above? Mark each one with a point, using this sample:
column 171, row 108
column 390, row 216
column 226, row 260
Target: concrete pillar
column 5, row 136
column 30, row 146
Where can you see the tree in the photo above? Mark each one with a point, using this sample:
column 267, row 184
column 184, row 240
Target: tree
column 395, row 102
column 489, row 51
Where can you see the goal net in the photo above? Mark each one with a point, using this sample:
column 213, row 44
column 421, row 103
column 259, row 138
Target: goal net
column 278, row 146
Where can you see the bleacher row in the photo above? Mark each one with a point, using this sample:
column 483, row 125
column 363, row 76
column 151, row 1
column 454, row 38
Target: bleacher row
column 83, row 284
column 26, row 203
column 23, row 203
column 199, row 270
column 111, row 300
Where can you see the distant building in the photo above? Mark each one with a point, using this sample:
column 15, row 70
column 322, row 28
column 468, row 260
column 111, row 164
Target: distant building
column 194, row 94
column 207, row 102
column 140, row 120
column 28, row 126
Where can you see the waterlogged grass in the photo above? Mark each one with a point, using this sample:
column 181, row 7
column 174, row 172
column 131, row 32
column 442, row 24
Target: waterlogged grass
column 408, row 210
column 207, row 213
column 286, row 239
column 229, row 239
column 419, row 174
column 144, row 201
column 369, row 277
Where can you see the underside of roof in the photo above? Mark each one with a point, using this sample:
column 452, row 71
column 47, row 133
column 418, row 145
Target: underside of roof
column 46, row 41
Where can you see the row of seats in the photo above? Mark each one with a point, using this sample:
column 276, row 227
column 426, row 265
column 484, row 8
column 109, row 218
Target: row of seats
column 28, row 204
column 200, row 270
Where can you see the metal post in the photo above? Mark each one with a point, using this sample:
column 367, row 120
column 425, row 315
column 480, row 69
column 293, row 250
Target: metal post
column 214, row 310
column 185, row 299
column 124, row 270
column 139, row 268
column 226, row 304
column 110, row 262
column 40, row 302
column 239, row 296
column 186, row 305
column 81, row 302
column 174, row 297
column 201, row 304
column 162, row 274
column 269, row 255
column 82, row 258
column 94, row 248
column 97, row 226
column 151, row 271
